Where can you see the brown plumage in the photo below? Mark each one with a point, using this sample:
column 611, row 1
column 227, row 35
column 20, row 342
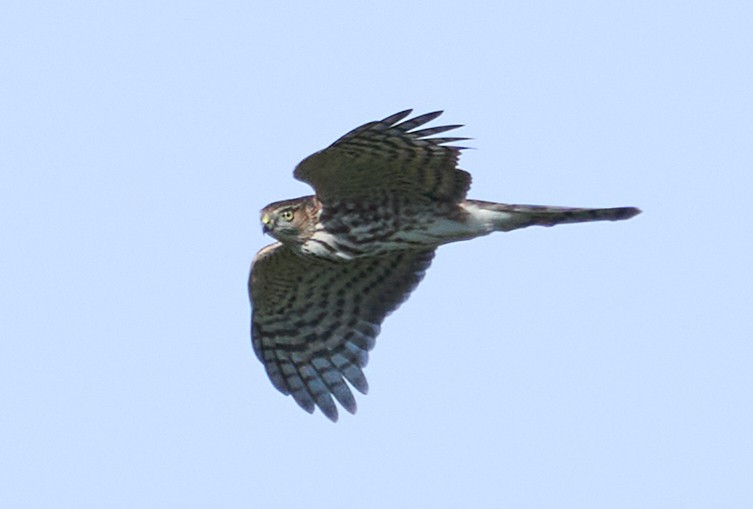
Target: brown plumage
column 387, row 195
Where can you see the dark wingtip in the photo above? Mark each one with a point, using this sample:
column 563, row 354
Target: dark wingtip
column 396, row 117
column 627, row 212
column 433, row 114
column 331, row 414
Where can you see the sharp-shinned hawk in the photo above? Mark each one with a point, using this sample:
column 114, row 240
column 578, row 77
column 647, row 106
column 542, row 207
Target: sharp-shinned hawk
column 387, row 195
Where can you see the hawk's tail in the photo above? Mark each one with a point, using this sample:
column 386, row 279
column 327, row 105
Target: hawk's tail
column 504, row 217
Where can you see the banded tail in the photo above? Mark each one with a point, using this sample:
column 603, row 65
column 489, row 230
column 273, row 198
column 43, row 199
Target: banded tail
column 504, row 217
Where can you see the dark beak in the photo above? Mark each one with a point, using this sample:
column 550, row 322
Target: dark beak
column 265, row 229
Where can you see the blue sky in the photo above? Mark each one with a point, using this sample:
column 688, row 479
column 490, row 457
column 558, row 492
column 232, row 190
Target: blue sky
column 601, row 365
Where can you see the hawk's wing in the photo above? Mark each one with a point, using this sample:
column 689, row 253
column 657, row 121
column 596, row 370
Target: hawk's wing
column 314, row 320
column 390, row 156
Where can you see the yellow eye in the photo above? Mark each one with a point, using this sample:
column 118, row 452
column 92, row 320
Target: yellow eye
column 287, row 215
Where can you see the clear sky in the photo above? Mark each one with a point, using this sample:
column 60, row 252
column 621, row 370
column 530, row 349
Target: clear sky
column 583, row 366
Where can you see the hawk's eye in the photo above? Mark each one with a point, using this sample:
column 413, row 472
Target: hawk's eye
column 287, row 215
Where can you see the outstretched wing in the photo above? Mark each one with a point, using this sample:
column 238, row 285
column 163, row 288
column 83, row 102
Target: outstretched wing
column 314, row 321
column 388, row 156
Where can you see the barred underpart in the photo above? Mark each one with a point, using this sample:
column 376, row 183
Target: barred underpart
column 387, row 195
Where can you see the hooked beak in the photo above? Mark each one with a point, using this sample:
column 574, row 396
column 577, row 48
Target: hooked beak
column 265, row 220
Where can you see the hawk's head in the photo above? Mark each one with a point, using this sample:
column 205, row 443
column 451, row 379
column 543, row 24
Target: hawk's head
column 287, row 221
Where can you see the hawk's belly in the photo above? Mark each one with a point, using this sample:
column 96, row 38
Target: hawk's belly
column 372, row 231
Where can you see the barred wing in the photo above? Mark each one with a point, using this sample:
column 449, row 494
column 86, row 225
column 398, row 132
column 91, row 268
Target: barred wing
column 314, row 321
column 388, row 156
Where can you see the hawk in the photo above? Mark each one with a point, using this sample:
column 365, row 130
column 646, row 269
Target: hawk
column 387, row 195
